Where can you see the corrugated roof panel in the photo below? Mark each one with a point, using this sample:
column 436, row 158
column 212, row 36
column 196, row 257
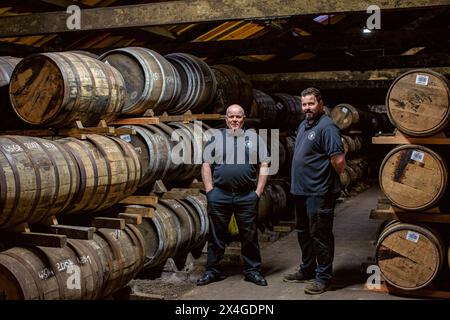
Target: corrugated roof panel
column 219, row 30
column 242, row 32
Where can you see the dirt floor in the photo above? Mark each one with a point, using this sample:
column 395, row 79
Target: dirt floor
column 354, row 233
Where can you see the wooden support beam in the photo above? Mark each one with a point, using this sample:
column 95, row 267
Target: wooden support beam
column 131, row 218
column 109, row 223
column 372, row 79
column 185, row 11
column 346, row 63
column 322, row 43
column 74, row 232
column 141, row 200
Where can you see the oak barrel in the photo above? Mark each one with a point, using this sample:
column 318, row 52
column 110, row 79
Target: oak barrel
column 38, row 178
column 153, row 147
column 345, row 115
column 289, row 110
column 8, row 118
column 409, row 256
column 110, row 171
column 56, row 89
column 151, row 82
column 233, row 87
column 413, row 177
column 418, row 102
column 197, row 81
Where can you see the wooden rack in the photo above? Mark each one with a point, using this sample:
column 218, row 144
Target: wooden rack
column 150, row 118
column 400, row 138
column 77, row 131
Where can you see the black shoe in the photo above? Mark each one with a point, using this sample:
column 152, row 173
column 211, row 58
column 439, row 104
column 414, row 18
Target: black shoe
column 209, row 277
column 256, row 278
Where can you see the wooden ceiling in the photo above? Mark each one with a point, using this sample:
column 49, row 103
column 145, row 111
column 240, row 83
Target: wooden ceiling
column 273, row 40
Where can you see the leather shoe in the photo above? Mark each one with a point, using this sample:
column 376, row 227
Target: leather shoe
column 256, row 278
column 207, row 278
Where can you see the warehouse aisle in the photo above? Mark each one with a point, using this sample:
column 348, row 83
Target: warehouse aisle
column 354, row 233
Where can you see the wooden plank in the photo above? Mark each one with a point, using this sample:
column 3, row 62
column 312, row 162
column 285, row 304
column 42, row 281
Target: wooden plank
column 421, row 293
column 74, row 232
column 42, row 239
column 332, row 76
column 145, row 296
column 31, row 132
column 400, row 138
column 141, row 200
column 131, row 218
column 143, row 120
column 146, row 212
column 177, row 12
column 91, row 130
column 109, row 223
column 409, row 216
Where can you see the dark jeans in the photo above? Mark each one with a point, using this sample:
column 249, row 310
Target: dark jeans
column 314, row 224
column 221, row 205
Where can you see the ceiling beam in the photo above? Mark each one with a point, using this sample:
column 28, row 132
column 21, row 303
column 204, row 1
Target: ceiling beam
column 185, row 11
column 346, row 63
column 373, row 40
column 373, row 79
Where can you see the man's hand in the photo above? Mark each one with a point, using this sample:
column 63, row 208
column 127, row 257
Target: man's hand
column 338, row 162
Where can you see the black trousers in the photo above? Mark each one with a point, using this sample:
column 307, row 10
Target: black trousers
column 314, row 223
column 221, row 205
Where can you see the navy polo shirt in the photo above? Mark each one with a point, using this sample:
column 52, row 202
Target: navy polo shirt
column 312, row 171
column 235, row 158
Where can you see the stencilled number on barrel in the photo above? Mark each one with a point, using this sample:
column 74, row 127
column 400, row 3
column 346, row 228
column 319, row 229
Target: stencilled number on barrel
column 49, row 146
column 31, row 145
column 169, row 79
column 159, row 138
column 45, row 273
column 117, row 233
column 11, row 148
column 63, row 265
column 156, row 76
column 176, row 206
column 84, row 259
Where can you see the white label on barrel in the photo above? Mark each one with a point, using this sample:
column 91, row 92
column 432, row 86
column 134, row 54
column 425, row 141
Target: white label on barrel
column 126, row 137
column 344, row 110
column 417, row 156
column 422, row 79
column 412, row 236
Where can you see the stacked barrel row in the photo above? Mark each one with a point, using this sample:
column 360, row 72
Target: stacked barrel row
column 178, row 227
column 82, row 270
column 55, row 89
column 273, row 203
column 172, row 152
column 41, row 178
column 415, row 179
column 94, row 269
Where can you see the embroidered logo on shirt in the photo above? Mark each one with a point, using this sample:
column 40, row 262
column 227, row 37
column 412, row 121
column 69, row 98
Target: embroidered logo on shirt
column 311, row 135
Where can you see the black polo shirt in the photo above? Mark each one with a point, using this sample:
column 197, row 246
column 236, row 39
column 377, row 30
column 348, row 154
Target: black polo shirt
column 312, row 172
column 235, row 158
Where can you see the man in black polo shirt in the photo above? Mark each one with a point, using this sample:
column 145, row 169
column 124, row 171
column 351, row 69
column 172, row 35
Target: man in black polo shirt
column 318, row 160
column 232, row 184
